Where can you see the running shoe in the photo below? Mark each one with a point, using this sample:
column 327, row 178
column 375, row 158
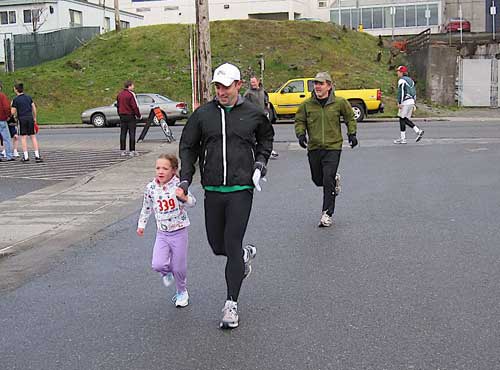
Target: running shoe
column 181, row 299
column 419, row 135
column 249, row 253
column 3, row 153
column 338, row 187
column 168, row 279
column 230, row 319
column 326, row 220
column 124, row 153
column 134, row 153
column 400, row 141
column 274, row 154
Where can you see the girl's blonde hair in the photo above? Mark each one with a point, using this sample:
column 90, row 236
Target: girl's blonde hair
column 172, row 158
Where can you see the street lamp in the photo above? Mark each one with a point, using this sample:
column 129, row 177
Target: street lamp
column 393, row 14
column 493, row 12
column 460, row 17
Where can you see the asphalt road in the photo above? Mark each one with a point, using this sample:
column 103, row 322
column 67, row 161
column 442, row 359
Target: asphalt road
column 406, row 279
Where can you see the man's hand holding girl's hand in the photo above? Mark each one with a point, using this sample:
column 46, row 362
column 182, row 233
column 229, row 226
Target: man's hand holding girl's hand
column 181, row 195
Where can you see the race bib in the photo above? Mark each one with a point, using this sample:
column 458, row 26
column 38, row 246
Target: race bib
column 168, row 208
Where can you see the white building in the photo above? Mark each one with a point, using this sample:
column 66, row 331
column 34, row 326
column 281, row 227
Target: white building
column 378, row 17
column 16, row 17
column 183, row 11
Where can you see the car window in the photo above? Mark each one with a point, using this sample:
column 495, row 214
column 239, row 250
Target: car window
column 294, row 87
column 310, row 85
column 164, row 98
column 144, row 99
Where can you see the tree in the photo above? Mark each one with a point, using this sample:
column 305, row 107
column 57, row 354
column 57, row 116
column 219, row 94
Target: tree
column 38, row 18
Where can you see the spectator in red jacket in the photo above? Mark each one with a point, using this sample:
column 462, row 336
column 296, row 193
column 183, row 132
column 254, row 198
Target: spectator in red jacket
column 128, row 110
column 4, row 128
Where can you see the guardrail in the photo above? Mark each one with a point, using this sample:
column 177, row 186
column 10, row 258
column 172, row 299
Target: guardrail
column 419, row 41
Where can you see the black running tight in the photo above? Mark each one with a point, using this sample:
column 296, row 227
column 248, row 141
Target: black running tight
column 403, row 122
column 226, row 219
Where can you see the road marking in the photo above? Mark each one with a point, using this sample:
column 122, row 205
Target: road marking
column 62, row 165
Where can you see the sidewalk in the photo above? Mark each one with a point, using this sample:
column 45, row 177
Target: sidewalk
column 72, row 210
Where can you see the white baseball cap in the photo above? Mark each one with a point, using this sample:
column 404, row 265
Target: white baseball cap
column 226, row 74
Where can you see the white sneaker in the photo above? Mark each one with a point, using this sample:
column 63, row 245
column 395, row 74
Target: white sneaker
column 230, row 319
column 248, row 255
column 274, row 154
column 3, row 153
column 16, row 154
column 181, row 299
column 134, row 153
column 168, row 279
column 338, row 186
column 124, row 153
column 419, row 135
column 326, row 221
column 400, row 141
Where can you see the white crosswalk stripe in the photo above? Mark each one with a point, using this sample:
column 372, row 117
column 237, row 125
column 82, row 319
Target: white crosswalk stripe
column 61, row 164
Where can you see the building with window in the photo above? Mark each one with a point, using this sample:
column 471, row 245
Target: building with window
column 183, row 11
column 386, row 17
column 24, row 16
column 378, row 17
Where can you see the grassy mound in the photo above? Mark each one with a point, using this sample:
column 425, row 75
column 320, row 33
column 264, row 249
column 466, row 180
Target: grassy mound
column 157, row 59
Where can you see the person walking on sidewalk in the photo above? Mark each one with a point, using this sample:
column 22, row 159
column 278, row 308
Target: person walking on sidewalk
column 25, row 109
column 318, row 129
column 168, row 202
column 232, row 140
column 128, row 110
column 259, row 96
column 5, row 113
column 406, row 104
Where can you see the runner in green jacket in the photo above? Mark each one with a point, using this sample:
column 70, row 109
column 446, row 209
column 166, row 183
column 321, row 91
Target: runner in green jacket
column 317, row 126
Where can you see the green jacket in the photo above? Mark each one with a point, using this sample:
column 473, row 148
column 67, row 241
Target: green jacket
column 322, row 124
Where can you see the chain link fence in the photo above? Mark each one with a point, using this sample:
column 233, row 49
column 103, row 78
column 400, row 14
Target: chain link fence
column 35, row 48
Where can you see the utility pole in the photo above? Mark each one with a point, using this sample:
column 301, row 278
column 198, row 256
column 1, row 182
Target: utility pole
column 204, row 50
column 117, row 16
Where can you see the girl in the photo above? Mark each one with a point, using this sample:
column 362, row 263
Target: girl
column 168, row 201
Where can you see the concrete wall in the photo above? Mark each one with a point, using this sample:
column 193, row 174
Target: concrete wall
column 436, row 67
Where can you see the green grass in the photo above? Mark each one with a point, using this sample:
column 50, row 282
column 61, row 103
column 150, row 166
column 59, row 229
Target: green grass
column 157, row 59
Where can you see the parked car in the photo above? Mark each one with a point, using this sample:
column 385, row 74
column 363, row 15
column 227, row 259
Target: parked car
column 108, row 115
column 454, row 25
column 287, row 98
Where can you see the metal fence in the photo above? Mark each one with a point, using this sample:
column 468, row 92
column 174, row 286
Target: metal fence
column 35, row 48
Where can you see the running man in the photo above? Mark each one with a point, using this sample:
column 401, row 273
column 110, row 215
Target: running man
column 317, row 126
column 232, row 139
column 406, row 104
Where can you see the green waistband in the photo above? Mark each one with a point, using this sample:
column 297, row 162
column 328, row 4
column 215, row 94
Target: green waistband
column 228, row 189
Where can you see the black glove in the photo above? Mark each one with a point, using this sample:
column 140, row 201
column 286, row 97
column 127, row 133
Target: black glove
column 184, row 185
column 260, row 166
column 353, row 141
column 303, row 141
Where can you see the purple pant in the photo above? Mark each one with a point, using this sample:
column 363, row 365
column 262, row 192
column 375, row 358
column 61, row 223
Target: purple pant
column 170, row 255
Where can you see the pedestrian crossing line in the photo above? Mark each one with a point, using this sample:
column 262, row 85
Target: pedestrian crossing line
column 62, row 165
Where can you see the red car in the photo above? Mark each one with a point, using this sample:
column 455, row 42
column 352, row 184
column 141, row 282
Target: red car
column 454, row 25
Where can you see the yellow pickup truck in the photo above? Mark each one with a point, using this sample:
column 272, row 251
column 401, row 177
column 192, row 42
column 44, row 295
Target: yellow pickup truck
column 287, row 98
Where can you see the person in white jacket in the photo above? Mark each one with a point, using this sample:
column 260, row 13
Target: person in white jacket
column 168, row 202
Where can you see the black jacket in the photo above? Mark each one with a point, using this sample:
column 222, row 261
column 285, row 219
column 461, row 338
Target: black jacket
column 248, row 137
